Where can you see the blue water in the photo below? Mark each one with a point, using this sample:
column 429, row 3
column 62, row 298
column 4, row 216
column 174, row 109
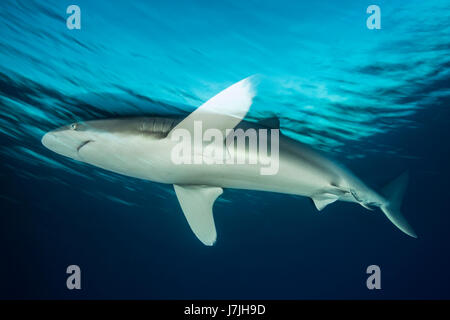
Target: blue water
column 376, row 100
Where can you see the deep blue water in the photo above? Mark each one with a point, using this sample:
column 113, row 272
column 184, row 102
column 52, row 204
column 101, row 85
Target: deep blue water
column 376, row 100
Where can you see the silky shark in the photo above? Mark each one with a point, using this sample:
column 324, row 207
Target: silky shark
column 141, row 147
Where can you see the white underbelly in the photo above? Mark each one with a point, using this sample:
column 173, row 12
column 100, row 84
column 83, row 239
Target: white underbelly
column 151, row 160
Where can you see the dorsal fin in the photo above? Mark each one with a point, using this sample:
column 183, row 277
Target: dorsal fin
column 223, row 111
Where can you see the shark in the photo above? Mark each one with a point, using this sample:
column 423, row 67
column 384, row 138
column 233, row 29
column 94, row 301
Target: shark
column 142, row 147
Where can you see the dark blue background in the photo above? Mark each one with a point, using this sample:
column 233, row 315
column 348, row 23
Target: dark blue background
column 279, row 247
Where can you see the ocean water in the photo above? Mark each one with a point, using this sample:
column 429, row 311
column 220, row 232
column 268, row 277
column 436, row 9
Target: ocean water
column 375, row 100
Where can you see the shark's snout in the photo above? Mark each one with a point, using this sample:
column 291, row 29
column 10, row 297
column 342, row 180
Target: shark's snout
column 63, row 142
column 49, row 140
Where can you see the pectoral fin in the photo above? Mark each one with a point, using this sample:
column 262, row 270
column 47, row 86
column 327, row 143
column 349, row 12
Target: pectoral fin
column 323, row 199
column 197, row 203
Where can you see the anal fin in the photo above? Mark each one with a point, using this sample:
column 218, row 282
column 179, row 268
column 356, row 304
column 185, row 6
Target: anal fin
column 323, row 199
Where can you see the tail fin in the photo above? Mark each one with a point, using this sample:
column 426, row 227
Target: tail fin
column 394, row 192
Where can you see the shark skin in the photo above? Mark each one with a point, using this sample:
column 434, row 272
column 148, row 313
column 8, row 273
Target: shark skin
column 141, row 147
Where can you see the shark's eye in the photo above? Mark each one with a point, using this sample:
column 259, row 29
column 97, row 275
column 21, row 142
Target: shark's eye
column 73, row 126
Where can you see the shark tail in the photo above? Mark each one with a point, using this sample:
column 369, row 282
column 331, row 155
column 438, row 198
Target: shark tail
column 393, row 193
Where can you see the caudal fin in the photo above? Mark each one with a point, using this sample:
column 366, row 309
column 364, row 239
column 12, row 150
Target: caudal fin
column 394, row 192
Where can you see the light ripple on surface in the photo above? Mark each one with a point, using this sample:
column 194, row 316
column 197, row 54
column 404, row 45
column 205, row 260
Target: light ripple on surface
column 333, row 85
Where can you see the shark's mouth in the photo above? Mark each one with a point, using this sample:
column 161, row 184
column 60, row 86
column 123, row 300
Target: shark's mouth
column 83, row 144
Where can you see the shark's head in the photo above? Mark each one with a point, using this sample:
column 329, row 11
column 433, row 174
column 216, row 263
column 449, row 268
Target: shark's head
column 69, row 140
column 105, row 137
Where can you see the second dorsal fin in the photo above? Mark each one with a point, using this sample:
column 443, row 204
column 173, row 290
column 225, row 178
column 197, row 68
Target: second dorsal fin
column 271, row 123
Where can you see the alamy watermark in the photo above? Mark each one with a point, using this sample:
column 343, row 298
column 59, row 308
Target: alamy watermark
column 374, row 280
column 235, row 147
column 74, row 20
column 374, row 20
column 74, row 280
